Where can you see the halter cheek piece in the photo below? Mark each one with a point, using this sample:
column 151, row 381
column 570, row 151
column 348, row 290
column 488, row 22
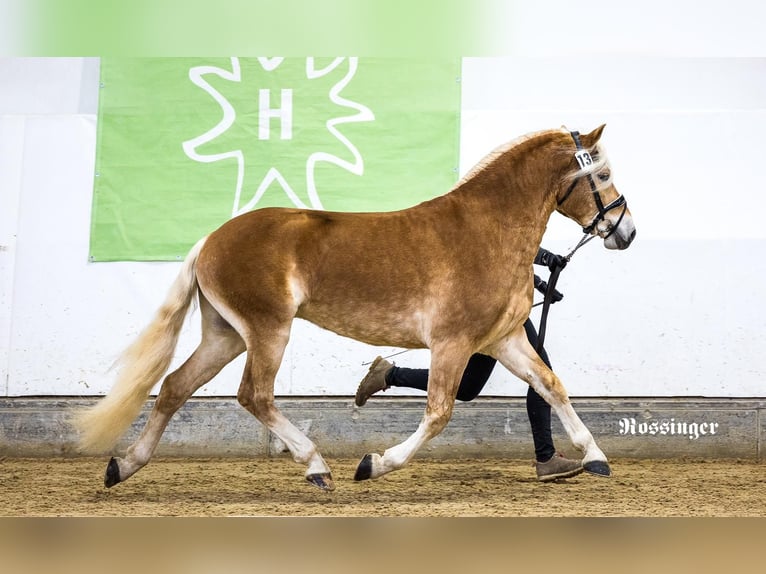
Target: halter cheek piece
column 602, row 211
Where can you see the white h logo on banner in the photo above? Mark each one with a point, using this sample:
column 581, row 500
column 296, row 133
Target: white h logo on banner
column 284, row 113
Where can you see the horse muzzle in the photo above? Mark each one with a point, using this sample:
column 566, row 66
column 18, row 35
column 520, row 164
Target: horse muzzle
column 620, row 237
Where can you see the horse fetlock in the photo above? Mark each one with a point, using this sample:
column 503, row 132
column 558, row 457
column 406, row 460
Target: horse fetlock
column 317, row 465
column 137, row 455
column 592, row 453
column 303, row 456
column 582, row 439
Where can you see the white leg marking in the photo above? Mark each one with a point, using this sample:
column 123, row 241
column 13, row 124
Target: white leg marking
column 447, row 365
column 300, row 446
column 399, row 455
column 518, row 356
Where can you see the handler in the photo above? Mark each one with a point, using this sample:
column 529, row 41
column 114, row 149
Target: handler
column 550, row 465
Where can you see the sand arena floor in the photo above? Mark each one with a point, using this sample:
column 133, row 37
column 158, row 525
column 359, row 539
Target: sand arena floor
column 432, row 488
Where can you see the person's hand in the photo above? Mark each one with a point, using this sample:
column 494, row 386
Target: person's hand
column 542, row 287
column 557, row 296
column 553, row 261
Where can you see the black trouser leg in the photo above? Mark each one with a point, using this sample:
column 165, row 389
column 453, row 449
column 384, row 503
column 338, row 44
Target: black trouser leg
column 475, row 376
column 538, row 411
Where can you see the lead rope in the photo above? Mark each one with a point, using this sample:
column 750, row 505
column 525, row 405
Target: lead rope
column 546, row 302
column 388, row 356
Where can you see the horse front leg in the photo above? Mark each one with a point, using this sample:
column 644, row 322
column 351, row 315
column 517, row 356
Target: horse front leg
column 517, row 355
column 447, row 366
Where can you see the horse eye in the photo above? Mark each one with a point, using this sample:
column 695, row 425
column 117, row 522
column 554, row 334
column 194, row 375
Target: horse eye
column 604, row 176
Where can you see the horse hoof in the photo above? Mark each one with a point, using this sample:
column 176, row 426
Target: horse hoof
column 364, row 470
column 112, row 475
column 598, row 467
column 321, row 480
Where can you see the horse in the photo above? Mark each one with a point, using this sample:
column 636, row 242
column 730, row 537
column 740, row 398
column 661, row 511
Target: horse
column 452, row 274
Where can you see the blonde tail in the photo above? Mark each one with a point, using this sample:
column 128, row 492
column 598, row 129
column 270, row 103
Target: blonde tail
column 142, row 364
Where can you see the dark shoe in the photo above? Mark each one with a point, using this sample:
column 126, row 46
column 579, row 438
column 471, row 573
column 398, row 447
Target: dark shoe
column 374, row 381
column 557, row 467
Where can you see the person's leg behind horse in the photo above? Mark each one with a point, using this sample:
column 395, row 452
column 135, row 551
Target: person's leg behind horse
column 383, row 375
column 549, row 464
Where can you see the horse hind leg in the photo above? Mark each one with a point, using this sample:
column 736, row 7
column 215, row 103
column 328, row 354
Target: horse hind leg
column 256, row 395
column 220, row 344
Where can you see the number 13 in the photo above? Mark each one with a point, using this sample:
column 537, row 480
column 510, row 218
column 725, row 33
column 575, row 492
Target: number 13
column 583, row 158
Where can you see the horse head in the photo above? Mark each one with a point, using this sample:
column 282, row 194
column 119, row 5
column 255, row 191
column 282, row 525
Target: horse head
column 587, row 193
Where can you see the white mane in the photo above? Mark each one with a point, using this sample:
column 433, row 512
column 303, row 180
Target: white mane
column 495, row 153
column 600, row 167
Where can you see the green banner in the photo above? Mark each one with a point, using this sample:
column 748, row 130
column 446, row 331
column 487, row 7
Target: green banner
column 184, row 144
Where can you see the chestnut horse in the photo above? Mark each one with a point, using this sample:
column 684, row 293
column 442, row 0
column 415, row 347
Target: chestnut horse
column 453, row 274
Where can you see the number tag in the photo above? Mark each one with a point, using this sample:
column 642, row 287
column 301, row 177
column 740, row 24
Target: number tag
column 583, row 158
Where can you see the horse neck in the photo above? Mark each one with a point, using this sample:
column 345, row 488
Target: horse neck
column 513, row 192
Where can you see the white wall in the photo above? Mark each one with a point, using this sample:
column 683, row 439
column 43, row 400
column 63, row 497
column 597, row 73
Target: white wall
column 679, row 313
column 676, row 314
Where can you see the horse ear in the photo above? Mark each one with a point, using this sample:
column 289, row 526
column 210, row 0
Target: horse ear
column 593, row 137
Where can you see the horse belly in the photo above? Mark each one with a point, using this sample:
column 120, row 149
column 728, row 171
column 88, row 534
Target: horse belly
column 375, row 324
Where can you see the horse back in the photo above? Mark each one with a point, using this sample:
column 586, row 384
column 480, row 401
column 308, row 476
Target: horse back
column 392, row 278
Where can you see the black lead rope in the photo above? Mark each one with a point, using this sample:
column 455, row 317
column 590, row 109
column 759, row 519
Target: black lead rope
column 546, row 306
column 550, row 289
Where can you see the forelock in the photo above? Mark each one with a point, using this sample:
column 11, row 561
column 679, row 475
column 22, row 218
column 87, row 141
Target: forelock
column 600, row 167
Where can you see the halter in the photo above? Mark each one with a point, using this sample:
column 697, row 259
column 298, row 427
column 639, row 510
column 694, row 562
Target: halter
column 585, row 160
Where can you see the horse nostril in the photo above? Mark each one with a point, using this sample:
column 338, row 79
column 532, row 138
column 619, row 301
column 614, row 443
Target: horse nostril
column 625, row 243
